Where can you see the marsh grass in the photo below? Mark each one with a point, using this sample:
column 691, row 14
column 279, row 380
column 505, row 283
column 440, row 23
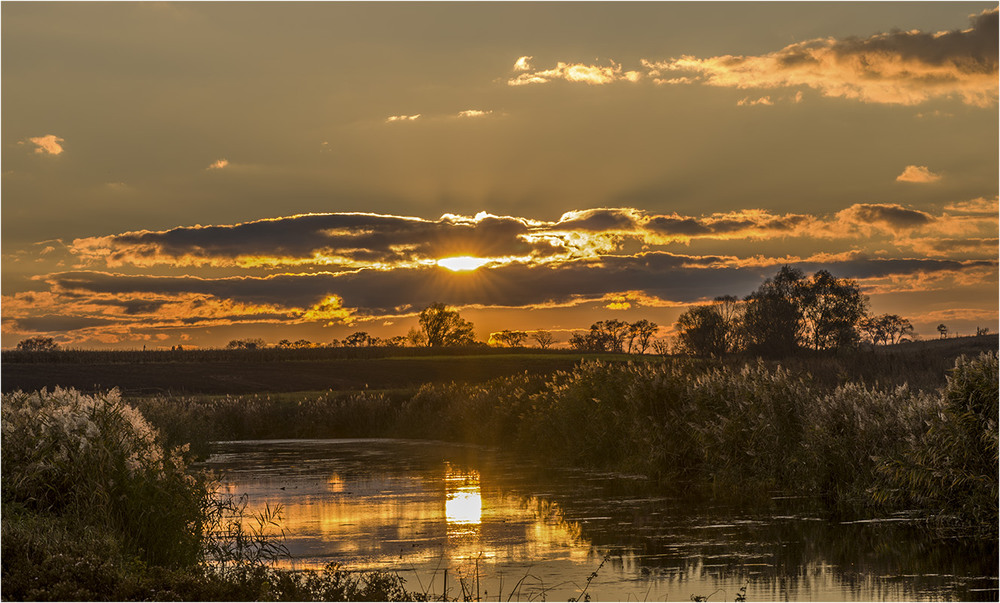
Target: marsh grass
column 715, row 427
column 96, row 507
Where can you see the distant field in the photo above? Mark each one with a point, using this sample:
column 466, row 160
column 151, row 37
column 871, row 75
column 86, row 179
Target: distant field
column 921, row 364
column 246, row 372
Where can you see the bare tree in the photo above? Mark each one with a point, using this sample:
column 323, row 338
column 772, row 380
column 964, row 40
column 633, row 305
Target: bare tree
column 640, row 332
column 544, row 339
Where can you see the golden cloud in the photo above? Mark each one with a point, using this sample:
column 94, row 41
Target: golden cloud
column 906, row 68
column 572, row 72
column 47, row 145
column 219, row 164
column 917, row 173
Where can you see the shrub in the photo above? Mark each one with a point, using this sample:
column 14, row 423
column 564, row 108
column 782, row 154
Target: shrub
column 97, row 460
column 952, row 465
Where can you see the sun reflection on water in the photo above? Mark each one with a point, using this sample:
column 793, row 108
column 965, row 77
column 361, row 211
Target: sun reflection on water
column 463, row 503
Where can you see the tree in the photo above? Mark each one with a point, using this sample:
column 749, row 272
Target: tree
column 357, row 339
column 544, row 339
column 831, row 310
column 886, row 329
column 397, row 341
column 701, row 332
column 38, row 344
column 444, row 327
column 508, row 338
column 942, row 330
column 661, row 346
column 284, row 343
column 731, row 309
column 416, row 337
column 772, row 318
column 640, row 332
column 616, row 331
column 245, row 344
column 593, row 341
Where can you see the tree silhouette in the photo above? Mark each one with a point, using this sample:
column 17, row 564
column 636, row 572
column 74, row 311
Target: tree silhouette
column 773, row 315
column 640, row 332
column 357, row 339
column 246, row 344
column 444, row 327
column 508, row 338
column 942, row 330
column 38, row 344
column 544, row 339
column 702, row 332
column 831, row 310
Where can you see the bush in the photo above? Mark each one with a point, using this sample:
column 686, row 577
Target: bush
column 952, row 465
column 97, row 460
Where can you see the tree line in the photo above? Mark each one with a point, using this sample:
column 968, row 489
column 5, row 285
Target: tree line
column 789, row 312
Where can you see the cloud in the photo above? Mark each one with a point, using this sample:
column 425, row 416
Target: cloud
column 344, row 240
column 906, row 68
column 645, row 279
column 917, row 173
column 340, row 242
column 47, row 145
column 889, row 217
column 474, row 113
column 578, row 72
column 393, row 118
column 219, row 164
column 748, row 102
column 981, row 205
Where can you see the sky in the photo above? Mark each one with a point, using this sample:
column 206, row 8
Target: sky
column 192, row 173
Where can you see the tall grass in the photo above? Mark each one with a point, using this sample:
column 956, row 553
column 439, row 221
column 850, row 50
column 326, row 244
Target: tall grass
column 951, row 465
column 719, row 428
column 67, row 454
column 96, row 507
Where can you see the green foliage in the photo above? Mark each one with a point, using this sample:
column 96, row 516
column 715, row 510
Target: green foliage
column 68, row 454
column 851, row 430
column 952, row 465
column 444, row 327
column 96, row 508
column 787, row 312
column 702, row 332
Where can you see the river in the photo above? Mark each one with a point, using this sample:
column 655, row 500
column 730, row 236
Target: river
column 468, row 522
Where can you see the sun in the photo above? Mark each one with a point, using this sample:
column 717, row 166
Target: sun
column 462, row 263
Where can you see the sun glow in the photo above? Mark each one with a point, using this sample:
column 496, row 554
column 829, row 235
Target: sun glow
column 462, row 263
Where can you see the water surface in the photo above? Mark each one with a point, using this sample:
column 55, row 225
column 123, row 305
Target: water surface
column 460, row 520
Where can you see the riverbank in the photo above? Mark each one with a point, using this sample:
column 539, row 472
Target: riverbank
column 718, row 429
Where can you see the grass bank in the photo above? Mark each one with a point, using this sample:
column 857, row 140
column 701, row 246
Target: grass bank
column 96, row 507
column 99, row 501
column 715, row 427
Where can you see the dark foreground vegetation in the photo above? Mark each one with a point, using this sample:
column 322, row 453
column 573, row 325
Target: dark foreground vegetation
column 99, row 501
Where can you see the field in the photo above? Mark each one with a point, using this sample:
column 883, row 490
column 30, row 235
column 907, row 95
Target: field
column 218, row 372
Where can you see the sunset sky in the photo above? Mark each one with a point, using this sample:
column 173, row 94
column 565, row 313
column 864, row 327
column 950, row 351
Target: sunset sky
column 197, row 172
